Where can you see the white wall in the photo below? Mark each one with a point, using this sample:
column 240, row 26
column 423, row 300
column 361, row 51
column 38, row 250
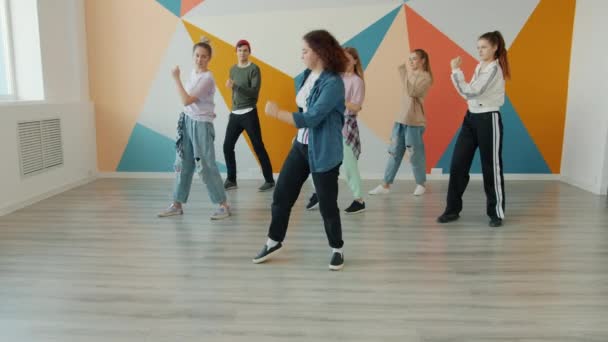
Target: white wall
column 63, row 48
column 585, row 155
column 63, row 52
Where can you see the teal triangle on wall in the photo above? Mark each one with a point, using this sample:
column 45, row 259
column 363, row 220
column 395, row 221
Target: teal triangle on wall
column 149, row 151
column 173, row 6
column 367, row 41
column 519, row 152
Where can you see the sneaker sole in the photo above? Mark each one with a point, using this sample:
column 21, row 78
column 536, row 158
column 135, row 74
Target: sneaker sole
column 353, row 212
column 336, row 268
column 378, row 193
column 216, row 218
column 231, row 188
column 265, row 190
column 169, row 215
column 266, row 257
column 314, row 207
column 448, row 221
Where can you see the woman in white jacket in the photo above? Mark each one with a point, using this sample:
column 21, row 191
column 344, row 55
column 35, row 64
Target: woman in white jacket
column 482, row 127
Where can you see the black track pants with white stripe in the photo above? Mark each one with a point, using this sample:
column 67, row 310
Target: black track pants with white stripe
column 483, row 130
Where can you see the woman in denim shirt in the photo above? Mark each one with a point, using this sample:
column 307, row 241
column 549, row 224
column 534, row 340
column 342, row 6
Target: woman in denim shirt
column 318, row 146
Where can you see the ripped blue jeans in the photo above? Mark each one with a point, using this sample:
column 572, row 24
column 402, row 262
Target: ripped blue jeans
column 198, row 155
column 406, row 138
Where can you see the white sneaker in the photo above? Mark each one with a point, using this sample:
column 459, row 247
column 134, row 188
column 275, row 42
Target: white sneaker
column 171, row 211
column 379, row 190
column 220, row 213
column 420, row 190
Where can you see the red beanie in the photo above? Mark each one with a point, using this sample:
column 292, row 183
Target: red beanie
column 243, row 42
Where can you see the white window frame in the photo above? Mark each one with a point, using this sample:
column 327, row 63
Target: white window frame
column 7, row 40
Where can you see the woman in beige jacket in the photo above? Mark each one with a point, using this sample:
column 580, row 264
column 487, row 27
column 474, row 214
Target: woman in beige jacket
column 410, row 121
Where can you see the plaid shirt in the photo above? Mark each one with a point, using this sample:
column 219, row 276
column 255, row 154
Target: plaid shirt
column 179, row 142
column 350, row 131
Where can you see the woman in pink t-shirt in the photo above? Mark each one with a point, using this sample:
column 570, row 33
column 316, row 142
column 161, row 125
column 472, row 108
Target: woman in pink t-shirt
column 195, row 148
column 354, row 91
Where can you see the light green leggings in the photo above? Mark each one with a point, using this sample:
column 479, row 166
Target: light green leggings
column 351, row 171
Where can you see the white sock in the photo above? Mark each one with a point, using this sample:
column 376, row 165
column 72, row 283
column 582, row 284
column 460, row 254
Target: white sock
column 271, row 243
column 337, row 250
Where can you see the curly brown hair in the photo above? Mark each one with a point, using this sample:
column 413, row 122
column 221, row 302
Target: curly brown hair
column 328, row 49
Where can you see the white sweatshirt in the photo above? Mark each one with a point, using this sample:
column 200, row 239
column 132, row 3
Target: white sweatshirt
column 486, row 91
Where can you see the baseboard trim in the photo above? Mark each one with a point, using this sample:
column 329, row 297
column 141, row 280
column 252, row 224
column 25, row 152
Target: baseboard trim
column 365, row 176
column 590, row 187
column 147, row 175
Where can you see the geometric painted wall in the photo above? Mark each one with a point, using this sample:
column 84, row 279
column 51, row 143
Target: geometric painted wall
column 133, row 45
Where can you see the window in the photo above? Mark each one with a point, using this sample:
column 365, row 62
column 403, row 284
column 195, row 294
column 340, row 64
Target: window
column 7, row 84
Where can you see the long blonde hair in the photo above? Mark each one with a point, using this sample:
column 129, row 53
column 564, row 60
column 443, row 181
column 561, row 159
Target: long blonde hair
column 427, row 63
column 355, row 54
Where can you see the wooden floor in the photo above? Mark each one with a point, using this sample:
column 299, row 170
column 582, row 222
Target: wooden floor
column 95, row 264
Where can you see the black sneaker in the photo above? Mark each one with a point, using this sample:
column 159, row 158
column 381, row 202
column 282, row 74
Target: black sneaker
column 445, row 218
column 355, row 207
column 313, row 202
column 266, row 253
column 229, row 185
column 266, row 186
column 337, row 261
column 495, row 222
